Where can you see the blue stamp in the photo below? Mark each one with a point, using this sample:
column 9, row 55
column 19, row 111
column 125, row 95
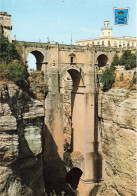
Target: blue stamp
column 121, row 16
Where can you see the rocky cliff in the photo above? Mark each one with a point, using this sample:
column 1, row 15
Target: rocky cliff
column 117, row 126
column 22, row 141
column 21, row 125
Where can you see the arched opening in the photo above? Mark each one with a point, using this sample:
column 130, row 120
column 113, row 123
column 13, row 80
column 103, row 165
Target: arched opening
column 102, row 60
column 35, row 60
column 31, row 61
column 77, row 111
column 73, row 177
column 72, row 59
column 72, row 56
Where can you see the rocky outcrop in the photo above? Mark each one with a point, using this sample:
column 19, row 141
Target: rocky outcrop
column 38, row 87
column 21, row 125
column 117, row 113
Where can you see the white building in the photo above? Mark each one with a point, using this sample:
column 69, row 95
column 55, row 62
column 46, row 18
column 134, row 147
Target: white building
column 107, row 39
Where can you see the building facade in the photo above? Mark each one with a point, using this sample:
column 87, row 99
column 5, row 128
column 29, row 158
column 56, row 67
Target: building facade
column 107, row 40
column 5, row 25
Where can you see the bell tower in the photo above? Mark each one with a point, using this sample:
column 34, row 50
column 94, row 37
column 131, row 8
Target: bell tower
column 5, row 25
column 106, row 31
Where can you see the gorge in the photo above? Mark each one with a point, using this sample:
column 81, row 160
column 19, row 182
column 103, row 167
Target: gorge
column 24, row 139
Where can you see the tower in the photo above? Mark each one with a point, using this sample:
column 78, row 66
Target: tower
column 5, row 25
column 106, row 31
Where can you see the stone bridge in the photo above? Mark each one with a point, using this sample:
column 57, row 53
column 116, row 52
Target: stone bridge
column 71, row 105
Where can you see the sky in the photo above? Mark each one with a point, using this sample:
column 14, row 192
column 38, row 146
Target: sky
column 36, row 20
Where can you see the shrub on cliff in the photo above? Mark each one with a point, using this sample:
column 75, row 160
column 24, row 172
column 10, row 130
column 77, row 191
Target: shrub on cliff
column 115, row 61
column 8, row 51
column 128, row 59
column 11, row 63
column 17, row 73
column 67, row 159
column 108, row 78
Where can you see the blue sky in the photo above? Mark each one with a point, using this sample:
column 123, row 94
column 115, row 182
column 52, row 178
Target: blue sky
column 35, row 20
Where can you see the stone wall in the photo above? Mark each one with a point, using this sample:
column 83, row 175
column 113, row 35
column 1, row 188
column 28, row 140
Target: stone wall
column 21, row 125
column 117, row 126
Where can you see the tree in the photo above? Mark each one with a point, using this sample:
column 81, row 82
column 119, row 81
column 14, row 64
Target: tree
column 128, row 59
column 18, row 73
column 115, row 60
column 12, row 66
column 108, row 78
column 8, row 51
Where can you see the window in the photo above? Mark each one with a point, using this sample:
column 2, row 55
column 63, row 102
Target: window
column 1, row 18
column 92, row 43
column 98, row 43
column 119, row 43
column 72, row 56
column 108, row 43
column 115, row 43
column 102, row 43
column 72, row 59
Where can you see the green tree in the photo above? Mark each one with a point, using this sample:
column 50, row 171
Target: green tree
column 108, row 78
column 128, row 59
column 115, row 61
column 8, row 51
column 17, row 73
column 12, row 66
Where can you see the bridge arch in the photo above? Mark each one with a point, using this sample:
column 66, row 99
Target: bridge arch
column 102, row 60
column 39, row 58
column 75, row 105
column 70, row 70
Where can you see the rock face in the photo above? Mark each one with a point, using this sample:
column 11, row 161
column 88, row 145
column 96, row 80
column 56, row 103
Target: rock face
column 37, row 85
column 21, row 125
column 117, row 112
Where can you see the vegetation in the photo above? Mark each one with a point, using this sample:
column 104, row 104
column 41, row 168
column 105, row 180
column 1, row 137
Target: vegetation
column 67, row 159
column 127, row 59
column 115, row 61
column 108, row 78
column 12, row 66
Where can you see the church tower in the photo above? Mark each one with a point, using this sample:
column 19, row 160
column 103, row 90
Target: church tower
column 5, row 25
column 106, row 31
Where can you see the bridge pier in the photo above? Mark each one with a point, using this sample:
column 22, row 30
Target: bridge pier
column 54, row 168
column 84, row 126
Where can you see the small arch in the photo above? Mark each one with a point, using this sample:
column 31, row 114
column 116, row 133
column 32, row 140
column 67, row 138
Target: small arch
column 72, row 56
column 102, row 60
column 76, row 78
column 72, row 59
column 39, row 59
column 76, row 69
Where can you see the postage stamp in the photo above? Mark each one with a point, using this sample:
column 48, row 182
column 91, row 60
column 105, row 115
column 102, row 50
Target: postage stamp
column 121, row 16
